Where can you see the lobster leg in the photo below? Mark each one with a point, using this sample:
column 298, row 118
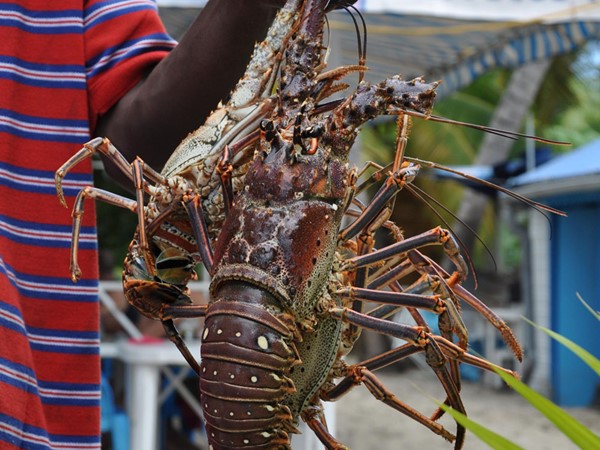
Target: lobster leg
column 449, row 318
column 225, row 169
column 418, row 337
column 437, row 236
column 184, row 311
column 180, row 312
column 97, row 194
column 428, row 266
column 429, row 302
column 359, row 374
column 134, row 172
column 449, row 349
column 400, row 175
column 449, row 321
column 164, row 302
column 365, row 244
column 194, row 210
column 104, row 147
column 390, row 188
column 137, row 170
column 392, row 356
column 320, row 430
column 176, row 339
column 443, row 284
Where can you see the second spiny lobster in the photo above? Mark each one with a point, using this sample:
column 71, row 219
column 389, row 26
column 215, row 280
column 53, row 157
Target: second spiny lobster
column 289, row 284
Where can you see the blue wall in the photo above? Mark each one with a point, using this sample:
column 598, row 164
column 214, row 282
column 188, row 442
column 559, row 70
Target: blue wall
column 575, row 255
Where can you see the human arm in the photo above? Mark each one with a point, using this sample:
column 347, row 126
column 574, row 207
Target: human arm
column 178, row 94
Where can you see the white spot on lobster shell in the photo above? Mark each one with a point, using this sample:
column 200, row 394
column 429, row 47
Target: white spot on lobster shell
column 262, row 342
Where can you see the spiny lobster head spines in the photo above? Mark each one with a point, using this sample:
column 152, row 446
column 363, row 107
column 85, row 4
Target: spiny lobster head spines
column 290, row 168
column 304, row 57
column 387, row 97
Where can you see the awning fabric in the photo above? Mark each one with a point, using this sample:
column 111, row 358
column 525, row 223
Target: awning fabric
column 457, row 40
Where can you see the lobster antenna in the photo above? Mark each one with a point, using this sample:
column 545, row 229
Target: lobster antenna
column 377, row 176
column 362, row 46
column 539, row 207
column 492, row 130
column 422, row 195
column 328, row 40
column 532, row 203
column 358, row 38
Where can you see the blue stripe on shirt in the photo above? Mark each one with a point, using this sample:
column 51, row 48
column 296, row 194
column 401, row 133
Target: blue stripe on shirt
column 50, row 288
column 60, row 76
column 41, row 21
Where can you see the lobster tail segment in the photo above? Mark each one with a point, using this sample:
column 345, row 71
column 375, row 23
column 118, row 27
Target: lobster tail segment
column 247, row 355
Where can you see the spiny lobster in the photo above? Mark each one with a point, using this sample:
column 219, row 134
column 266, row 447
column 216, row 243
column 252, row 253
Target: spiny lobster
column 163, row 253
column 289, row 283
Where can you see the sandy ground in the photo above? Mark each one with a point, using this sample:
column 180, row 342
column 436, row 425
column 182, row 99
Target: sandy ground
column 364, row 423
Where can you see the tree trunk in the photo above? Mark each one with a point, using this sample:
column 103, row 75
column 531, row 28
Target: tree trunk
column 509, row 114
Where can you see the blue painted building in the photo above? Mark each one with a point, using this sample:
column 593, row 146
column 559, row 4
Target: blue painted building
column 563, row 260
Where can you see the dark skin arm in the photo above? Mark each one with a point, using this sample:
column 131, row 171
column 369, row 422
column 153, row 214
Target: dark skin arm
column 180, row 92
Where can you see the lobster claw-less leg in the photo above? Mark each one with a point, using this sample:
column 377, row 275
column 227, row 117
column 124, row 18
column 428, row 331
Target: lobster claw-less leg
column 165, row 302
column 137, row 171
column 193, row 207
column 105, row 148
column 428, row 266
column 442, row 303
column 435, row 236
column 131, row 171
column 78, row 208
column 449, row 319
column 313, row 417
column 362, row 372
column 225, row 169
column 176, row 339
column 435, row 358
column 359, row 374
column 180, row 312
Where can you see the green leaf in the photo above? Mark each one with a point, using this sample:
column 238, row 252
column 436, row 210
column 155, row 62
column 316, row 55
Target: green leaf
column 596, row 314
column 571, row 428
column 586, row 356
column 492, row 439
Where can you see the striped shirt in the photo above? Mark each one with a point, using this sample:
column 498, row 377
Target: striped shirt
column 63, row 63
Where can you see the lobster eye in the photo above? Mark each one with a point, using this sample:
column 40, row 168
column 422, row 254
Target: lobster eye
column 267, row 125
